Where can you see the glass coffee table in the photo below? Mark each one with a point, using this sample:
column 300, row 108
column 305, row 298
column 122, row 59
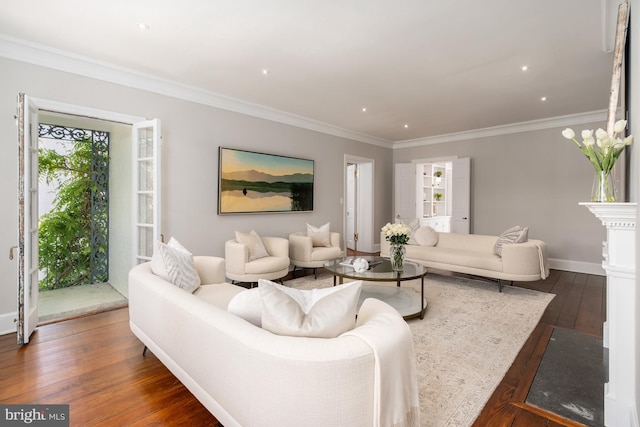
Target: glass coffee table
column 408, row 303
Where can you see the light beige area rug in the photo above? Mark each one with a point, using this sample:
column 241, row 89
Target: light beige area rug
column 465, row 344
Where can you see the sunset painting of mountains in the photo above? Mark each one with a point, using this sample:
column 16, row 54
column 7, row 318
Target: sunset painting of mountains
column 251, row 182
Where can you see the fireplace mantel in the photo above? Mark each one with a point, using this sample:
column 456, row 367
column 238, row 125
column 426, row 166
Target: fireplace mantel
column 620, row 332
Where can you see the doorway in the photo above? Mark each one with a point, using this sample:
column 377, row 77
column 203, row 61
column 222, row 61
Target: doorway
column 358, row 204
column 97, row 280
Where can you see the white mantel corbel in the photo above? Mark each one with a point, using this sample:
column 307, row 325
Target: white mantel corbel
column 620, row 331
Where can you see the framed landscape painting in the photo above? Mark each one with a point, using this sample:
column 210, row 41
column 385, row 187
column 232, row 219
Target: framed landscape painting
column 251, row 182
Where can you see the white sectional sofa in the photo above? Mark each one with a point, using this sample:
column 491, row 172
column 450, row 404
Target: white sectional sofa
column 474, row 254
column 247, row 376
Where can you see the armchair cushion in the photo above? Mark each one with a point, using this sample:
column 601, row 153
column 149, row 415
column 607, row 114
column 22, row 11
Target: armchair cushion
column 254, row 244
column 320, row 236
column 175, row 264
column 319, row 313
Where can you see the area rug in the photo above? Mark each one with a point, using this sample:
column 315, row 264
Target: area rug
column 468, row 339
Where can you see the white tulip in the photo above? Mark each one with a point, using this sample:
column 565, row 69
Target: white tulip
column 618, row 144
column 601, row 134
column 619, row 126
column 568, row 133
column 628, row 140
column 588, row 142
column 587, row 133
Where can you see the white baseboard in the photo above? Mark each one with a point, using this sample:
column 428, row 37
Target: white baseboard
column 7, row 323
column 576, row 266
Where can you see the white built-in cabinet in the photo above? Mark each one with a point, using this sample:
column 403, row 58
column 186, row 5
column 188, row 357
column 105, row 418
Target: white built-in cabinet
column 434, row 193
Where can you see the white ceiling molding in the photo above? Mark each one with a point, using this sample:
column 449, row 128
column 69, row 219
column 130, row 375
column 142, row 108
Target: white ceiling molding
column 44, row 56
column 534, row 125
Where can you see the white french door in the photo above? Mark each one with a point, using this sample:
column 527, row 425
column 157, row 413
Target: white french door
column 27, row 218
column 146, row 184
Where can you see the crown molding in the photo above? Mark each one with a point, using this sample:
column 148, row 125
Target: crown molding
column 533, row 125
column 44, row 56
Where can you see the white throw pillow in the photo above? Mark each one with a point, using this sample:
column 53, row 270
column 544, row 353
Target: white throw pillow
column 427, row 236
column 174, row 263
column 253, row 242
column 247, row 305
column 320, row 236
column 413, row 225
column 515, row 234
column 318, row 313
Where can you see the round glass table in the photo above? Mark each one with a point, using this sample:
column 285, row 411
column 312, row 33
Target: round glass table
column 408, row 303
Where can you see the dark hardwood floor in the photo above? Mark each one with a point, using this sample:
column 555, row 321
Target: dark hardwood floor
column 95, row 365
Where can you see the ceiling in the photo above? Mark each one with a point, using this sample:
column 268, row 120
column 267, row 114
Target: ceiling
column 420, row 67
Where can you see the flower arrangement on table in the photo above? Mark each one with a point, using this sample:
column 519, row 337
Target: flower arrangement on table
column 602, row 151
column 398, row 236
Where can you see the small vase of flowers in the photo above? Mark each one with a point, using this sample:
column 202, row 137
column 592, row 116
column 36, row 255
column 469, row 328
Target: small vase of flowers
column 602, row 151
column 398, row 236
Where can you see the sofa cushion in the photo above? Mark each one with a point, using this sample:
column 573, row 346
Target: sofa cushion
column 247, row 305
column 254, row 244
column 320, row 236
column 218, row 294
column 269, row 264
column 323, row 254
column 426, row 236
column 174, row 263
column 455, row 256
column 515, row 234
column 319, row 313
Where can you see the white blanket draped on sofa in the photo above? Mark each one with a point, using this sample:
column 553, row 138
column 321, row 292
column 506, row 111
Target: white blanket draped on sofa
column 396, row 401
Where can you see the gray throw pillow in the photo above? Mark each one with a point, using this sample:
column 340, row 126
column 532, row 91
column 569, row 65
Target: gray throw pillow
column 515, row 234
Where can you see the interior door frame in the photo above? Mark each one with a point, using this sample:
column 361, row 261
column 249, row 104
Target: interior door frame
column 40, row 104
column 366, row 193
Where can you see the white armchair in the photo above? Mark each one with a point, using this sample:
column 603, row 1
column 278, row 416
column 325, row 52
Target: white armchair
column 304, row 255
column 241, row 268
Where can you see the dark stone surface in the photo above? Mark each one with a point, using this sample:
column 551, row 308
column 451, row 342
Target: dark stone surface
column 570, row 379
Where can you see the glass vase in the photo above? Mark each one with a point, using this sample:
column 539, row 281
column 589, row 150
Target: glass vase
column 396, row 255
column 603, row 189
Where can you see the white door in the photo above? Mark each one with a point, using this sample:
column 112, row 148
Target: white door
column 461, row 197
column 27, row 218
column 405, row 190
column 146, row 184
column 352, row 207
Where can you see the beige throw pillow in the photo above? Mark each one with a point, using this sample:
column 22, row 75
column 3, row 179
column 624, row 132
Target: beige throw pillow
column 426, row 236
column 319, row 313
column 254, row 244
column 320, row 236
column 515, row 234
column 174, row 263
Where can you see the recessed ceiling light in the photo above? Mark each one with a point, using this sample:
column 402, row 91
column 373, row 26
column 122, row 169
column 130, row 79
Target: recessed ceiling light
column 524, row 68
column 544, row 98
column 142, row 26
column 364, row 109
column 265, row 71
column 406, row 126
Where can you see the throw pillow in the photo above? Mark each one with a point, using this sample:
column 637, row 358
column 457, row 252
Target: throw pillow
column 413, row 224
column 515, row 234
column 426, row 236
column 319, row 313
column 247, row 305
column 175, row 264
column 320, row 236
column 253, row 242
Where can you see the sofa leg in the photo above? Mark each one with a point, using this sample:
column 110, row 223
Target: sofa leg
column 500, row 285
column 315, row 273
column 144, row 350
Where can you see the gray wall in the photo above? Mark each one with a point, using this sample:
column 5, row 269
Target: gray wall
column 533, row 179
column 191, row 134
